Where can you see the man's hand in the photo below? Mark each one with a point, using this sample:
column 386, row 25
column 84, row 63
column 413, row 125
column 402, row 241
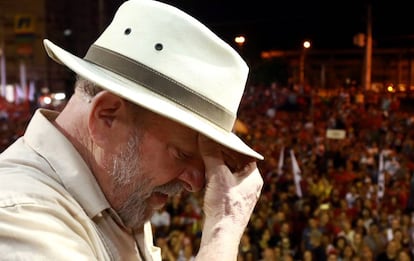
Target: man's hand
column 233, row 186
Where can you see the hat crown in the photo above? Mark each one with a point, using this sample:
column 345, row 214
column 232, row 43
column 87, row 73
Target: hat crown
column 172, row 43
column 164, row 60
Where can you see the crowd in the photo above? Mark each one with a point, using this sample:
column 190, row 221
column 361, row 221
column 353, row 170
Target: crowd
column 13, row 120
column 355, row 192
column 352, row 198
column 324, row 198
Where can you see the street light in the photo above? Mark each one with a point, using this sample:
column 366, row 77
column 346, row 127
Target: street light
column 240, row 40
column 306, row 45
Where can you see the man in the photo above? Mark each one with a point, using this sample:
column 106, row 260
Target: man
column 152, row 113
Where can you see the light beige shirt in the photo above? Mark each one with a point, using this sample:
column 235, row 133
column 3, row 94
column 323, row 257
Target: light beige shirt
column 51, row 207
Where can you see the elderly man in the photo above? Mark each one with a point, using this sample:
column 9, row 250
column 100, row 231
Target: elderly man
column 152, row 114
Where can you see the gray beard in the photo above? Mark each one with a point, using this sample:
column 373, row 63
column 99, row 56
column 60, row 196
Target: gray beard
column 135, row 210
column 129, row 175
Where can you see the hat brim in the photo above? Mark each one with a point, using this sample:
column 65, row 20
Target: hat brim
column 144, row 97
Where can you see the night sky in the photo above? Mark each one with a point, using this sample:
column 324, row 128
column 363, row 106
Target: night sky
column 285, row 24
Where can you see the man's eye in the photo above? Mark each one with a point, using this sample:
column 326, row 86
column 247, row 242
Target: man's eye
column 179, row 154
column 182, row 155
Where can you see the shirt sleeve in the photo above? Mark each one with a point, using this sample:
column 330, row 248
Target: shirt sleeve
column 31, row 231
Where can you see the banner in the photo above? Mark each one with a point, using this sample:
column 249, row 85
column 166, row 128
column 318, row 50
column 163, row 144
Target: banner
column 335, row 134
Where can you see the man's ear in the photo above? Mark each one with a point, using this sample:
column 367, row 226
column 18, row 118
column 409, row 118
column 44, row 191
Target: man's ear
column 107, row 119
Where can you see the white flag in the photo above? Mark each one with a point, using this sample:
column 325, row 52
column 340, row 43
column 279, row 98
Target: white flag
column 296, row 174
column 23, row 81
column 3, row 81
column 381, row 177
column 280, row 163
column 19, row 94
column 32, row 91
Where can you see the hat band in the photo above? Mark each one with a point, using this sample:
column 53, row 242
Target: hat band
column 161, row 84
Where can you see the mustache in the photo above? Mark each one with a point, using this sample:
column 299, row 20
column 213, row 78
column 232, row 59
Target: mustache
column 170, row 189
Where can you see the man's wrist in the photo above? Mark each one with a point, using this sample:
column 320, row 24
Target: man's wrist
column 220, row 239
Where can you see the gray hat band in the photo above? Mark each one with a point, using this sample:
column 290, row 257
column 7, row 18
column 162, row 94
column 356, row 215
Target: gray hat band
column 162, row 85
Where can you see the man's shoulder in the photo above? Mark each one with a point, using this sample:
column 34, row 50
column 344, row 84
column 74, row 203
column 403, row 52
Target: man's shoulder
column 23, row 187
column 27, row 178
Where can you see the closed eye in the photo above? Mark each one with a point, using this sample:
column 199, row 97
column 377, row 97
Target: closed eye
column 183, row 155
column 180, row 154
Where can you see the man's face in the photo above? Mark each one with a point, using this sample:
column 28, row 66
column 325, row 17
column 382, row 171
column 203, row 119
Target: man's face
column 156, row 162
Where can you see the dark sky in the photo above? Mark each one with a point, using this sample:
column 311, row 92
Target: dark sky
column 285, row 24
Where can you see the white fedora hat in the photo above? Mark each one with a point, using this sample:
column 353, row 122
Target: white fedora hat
column 161, row 58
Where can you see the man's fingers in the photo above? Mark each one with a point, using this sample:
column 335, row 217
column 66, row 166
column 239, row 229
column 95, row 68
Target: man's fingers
column 238, row 163
column 208, row 148
column 214, row 154
column 210, row 152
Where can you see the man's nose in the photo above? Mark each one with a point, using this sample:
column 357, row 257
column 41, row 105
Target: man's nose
column 193, row 177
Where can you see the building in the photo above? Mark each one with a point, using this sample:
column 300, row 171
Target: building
column 325, row 69
column 75, row 24
column 71, row 24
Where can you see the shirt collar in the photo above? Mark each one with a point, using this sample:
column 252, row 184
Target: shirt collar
column 67, row 163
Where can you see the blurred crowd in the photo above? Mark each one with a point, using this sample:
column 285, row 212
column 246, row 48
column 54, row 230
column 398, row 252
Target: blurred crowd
column 13, row 120
column 348, row 197
column 355, row 191
column 325, row 197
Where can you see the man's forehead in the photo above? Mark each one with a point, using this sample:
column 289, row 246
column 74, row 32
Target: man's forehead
column 173, row 131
